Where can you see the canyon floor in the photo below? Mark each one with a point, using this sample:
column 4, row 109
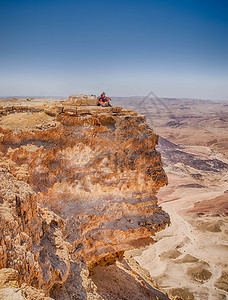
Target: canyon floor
column 189, row 260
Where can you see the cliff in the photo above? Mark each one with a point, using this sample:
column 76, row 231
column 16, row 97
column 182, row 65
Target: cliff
column 78, row 188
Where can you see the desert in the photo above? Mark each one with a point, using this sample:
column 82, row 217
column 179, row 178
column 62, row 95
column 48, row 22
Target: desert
column 154, row 227
column 190, row 257
column 113, row 150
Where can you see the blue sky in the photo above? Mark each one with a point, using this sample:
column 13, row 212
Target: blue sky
column 56, row 47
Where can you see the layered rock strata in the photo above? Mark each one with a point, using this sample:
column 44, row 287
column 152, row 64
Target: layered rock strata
column 78, row 186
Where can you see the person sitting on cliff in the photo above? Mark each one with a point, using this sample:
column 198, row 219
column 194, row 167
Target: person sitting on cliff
column 103, row 100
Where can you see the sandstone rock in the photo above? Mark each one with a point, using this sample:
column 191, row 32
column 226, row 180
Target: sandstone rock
column 81, row 191
column 8, row 278
column 9, row 287
column 11, row 293
column 83, row 100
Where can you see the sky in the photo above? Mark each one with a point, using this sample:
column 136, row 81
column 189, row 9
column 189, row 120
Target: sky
column 175, row 48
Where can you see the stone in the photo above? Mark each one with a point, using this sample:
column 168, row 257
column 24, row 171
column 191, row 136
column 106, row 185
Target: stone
column 69, row 187
column 83, row 100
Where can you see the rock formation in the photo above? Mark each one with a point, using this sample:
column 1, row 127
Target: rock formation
column 78, row 188
column 82, row 100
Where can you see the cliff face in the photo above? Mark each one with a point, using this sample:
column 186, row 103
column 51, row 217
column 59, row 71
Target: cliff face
column 78, row 185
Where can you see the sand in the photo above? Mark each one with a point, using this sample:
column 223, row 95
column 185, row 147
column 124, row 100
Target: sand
column 190, row 258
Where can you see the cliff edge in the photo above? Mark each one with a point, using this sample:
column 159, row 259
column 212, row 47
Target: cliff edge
column 78, row 188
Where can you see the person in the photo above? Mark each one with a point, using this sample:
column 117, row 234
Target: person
column 103, row 100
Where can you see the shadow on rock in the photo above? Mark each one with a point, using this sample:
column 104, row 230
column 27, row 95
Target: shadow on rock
column 114, row 283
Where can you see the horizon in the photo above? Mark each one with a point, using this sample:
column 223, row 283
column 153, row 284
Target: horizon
column 179, row 49
column 136, row 96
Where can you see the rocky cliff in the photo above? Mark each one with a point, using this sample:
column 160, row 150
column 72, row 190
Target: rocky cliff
column 78, row 188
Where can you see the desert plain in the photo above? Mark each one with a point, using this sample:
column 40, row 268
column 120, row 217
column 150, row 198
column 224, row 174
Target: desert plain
column 190, row 259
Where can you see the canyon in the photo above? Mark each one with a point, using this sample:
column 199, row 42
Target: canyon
column 189, row 259
column 78, row 192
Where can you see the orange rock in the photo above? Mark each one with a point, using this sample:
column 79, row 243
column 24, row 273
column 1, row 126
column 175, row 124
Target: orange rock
column 69, row 190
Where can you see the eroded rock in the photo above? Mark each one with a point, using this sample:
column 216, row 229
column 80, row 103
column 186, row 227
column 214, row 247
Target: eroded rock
column 82, row 190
